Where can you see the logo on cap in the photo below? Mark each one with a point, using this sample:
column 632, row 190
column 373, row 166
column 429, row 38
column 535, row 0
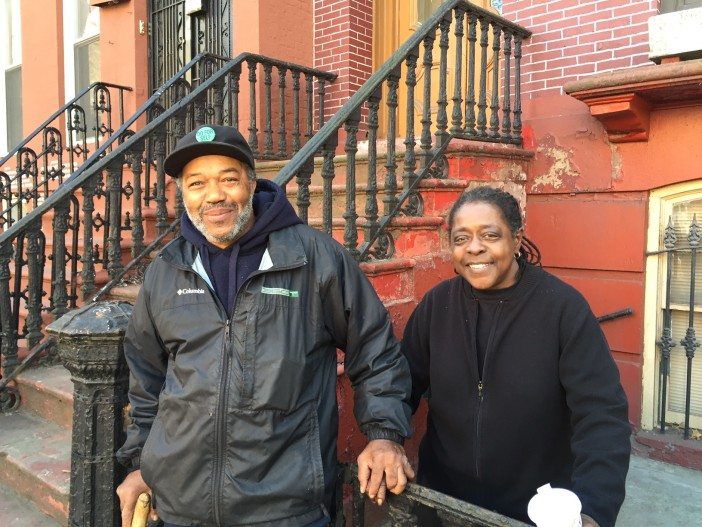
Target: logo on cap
column 204, row 134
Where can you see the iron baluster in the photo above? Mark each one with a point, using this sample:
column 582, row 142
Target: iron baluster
column 268, row 124
column 103, row 109
column 8, row 326
column 282, row 140
column 136, row 166
column 482, row 97
column 390, row 198
column 159, row 156
column 218, row 101
column 351, row 147
column 506, row 110
column 357, row 506
column 88, row 258
column 371, row 212
column 304, row 177
column 470, row 88
column 59, row 291
column 74, row 225
column 495, row 103
column 296, row 111
column 234, row 101
column 517, row 123
column 18, row 293
column 36, row 246
column 253, row 131
column 690, row 342
column 321, row 89
column 427, row 62
column 666, row 342
column 309, row 90
column 457, row 114
column 30, row 168
column 441, row 116
column 410, row 158
column 114, row 223
column 200, row 109
column 328, row 151
column 77, row 134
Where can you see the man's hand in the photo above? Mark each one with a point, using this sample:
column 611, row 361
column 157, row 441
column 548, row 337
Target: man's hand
column 383, row 466
column 588, row 522
column 128, row 492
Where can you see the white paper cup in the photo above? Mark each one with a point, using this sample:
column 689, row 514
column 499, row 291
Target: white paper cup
column 554, row 508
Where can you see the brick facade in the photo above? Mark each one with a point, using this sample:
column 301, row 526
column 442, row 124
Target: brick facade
column 576, row 38
column 343, row 35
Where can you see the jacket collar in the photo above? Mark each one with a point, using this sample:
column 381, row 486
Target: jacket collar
column 284, row 249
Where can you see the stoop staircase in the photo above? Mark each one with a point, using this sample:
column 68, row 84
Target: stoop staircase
column 71, row 240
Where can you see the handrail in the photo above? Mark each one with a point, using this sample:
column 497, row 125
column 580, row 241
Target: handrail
column 56, row 114
column 375, row 81
column 79, row 177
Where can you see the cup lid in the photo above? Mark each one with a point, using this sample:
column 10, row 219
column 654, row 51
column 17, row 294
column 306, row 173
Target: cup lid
column 554, row 507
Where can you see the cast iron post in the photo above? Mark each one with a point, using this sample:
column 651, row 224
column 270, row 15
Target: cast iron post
column 89, row 342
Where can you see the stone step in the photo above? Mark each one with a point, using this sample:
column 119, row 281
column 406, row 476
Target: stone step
column 17, row 511
column 47, row 392
column 35, row 461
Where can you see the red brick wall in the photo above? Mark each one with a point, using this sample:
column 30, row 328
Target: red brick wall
column 343, row 34
column 576, row 38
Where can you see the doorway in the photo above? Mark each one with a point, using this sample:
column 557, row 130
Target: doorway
column 180, row 29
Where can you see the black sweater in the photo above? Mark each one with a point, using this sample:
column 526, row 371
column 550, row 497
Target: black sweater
column 549, row 407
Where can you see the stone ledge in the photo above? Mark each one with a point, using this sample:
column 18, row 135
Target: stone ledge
column 622, row 100
column 669, row 447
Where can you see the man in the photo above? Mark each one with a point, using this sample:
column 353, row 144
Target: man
column 231, row 349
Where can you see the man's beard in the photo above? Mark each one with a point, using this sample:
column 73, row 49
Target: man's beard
column 242, row 219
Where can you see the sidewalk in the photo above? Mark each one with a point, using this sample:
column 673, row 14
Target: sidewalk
column 661, row 495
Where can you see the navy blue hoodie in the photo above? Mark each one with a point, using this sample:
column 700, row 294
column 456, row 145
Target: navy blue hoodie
column 229, row 268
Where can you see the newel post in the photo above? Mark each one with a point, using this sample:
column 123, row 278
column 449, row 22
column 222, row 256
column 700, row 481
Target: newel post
column 89, row 343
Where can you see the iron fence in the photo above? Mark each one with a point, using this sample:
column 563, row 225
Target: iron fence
column 676, row 252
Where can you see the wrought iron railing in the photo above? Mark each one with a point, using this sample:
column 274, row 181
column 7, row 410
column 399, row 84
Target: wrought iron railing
column 680, row 259
column 401, row 511
column 58, row 147
column 87, row 213
column 462, row 35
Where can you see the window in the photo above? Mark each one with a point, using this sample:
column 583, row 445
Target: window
column 668, row 6
column 11, row 132
column 82, row 53
column 680, row 208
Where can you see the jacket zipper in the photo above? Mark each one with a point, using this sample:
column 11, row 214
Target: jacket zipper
column 481, row 388
column 220, row 429
column 219, row 426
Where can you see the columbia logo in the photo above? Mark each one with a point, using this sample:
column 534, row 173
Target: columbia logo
column 191, row 291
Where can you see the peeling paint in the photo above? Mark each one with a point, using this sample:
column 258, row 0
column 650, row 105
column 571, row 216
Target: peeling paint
column 617, row 169
column 561, row 169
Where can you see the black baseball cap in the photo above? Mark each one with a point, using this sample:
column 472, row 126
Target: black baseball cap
column 205, row 140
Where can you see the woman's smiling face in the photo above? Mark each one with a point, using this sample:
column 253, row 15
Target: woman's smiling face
column 483, row 246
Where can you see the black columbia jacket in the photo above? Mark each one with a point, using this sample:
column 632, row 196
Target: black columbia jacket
column 234, row 415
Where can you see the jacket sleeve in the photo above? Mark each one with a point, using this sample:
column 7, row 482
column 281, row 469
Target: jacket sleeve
column 600, row 440
column 147, row 361
column 361, row 327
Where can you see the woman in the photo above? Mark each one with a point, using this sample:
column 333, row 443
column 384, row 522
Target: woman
column 522, row 388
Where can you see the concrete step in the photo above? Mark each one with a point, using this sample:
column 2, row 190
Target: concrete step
column 16, row 511
column 47, row 392
column 35, row 461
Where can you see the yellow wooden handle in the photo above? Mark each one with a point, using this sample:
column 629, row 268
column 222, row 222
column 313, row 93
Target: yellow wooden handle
column 141, row 510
